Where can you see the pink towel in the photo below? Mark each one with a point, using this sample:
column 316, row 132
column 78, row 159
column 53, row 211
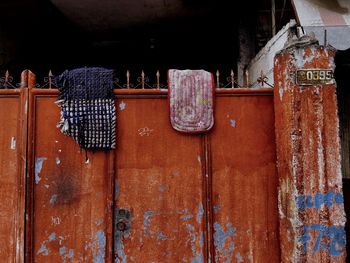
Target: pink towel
column 191, row 97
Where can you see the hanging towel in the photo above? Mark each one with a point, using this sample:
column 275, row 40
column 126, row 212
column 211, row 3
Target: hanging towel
column 191, row 98
column 88, row 112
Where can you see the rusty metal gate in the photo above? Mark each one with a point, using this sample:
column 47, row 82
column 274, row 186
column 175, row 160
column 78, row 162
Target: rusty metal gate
column 161, row 196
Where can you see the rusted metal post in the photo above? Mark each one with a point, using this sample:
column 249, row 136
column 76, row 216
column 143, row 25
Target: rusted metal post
column 311, row 209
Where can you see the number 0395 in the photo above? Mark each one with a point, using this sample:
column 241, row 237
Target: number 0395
column 314, row 76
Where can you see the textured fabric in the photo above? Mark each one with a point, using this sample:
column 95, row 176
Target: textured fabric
column 87, row 107
column 191, row 95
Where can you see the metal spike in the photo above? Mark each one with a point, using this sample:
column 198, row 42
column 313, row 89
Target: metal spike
column 50, row 79
column 217, row 79
column 7, row 76
column 143, row 79
column 232, row 79
column 246, row 77
column 158, row 77
column 127, row 79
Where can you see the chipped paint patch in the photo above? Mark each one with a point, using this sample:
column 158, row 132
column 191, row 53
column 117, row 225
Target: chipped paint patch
column 43, row 250
column 62, row 250
column 122, row 105
column 38, row 166
column 147, row 222
column 13, row 143
column 47, row 186
column 199, row 159
column 58, row 161
column 223, row 240
column 119, row 248
column 71, row 253
column 53, row 199
column 99, row 244
column 200, row 213
column 197, row 255
column 161, row 236
column 52, row 236
column 233, row 123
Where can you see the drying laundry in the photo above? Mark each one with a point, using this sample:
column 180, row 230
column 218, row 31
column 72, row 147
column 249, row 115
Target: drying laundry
column 191, row 97
column 88, row 112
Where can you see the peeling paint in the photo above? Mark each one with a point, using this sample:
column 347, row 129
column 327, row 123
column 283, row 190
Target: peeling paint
column 198, row 255
column 200, row 213
column 122, row 105
column 47, row 186
column 146, row 221
column 71, row 253
column 62, row 250
column 52, row 236
column 38, row 166
column 100, row 244
column 223, row 240
column 119, row 248
column 43, row 250
column 53, row 199
column 233, row 123
column 58, row 161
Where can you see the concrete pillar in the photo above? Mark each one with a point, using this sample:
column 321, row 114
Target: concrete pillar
column 311, row 209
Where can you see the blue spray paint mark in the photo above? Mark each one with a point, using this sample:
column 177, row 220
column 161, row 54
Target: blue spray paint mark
column 99, row 257
column 52, row 237
column 71, row 253
column 53, row 199
column 43, row 250
column 200, row 213
column 62, row 250
column 316, row 201
column 331, row 239
column 233, row 123
column 38, row 166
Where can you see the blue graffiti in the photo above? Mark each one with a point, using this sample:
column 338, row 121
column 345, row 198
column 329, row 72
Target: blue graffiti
column 328, row 199
column 331, row 238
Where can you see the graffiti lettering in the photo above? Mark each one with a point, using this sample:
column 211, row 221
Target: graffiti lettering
column 328, row 199
column 332, row 238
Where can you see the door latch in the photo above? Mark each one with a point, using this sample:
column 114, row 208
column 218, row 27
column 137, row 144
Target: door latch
column 122, row 220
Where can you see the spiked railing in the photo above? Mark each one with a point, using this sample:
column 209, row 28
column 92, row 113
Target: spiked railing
column 6, row 81
column 143, row 81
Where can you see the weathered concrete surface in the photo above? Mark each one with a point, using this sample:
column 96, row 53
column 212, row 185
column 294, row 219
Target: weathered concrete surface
column 311, row 201
column 263, row 61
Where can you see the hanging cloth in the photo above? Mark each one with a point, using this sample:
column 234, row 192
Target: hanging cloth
column 88, row 112
column 191, row 98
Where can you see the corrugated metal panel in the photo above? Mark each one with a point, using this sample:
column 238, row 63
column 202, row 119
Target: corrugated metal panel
column 244, row 178
column 11, row 176
column 160, row 181
column 320, row 15
column 70, row 196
